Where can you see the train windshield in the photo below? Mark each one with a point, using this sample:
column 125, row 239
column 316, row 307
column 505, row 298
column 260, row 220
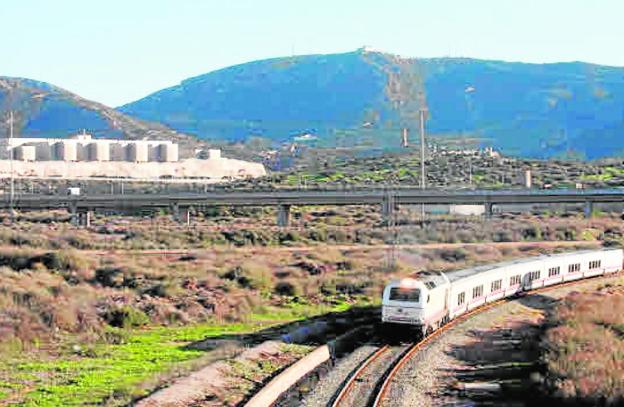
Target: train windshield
column 404, row 294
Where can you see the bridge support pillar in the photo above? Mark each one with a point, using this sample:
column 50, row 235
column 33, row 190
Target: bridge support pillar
column 84, row 218
column 283, row 215
column 175, row 211
column 187, row 217
column 589, row 209
column 388, row 206
column 73, row 213
column 488, row 210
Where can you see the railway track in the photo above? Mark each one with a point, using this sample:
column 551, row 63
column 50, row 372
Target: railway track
column 363, row 388
column 359, row 389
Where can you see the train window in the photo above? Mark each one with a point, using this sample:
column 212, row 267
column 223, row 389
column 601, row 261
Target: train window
column 594, row 264
column 461, row 298
column 404, row 294
column 534, row 275
column 477, row 291
column 573, row 268
column 496, row 285
column 553, row 271
column 515, row 280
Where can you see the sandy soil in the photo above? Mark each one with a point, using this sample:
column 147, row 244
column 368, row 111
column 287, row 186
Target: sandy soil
column 214, row 168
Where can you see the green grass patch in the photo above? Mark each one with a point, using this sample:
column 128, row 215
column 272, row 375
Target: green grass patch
column 606, row 174
column 108, row 371
column 112, row 374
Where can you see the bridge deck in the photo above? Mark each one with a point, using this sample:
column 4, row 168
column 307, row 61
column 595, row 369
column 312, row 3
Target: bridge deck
column 307, row 197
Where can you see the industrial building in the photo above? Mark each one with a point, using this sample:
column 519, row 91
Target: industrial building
column 85, row 157
column 83, row 147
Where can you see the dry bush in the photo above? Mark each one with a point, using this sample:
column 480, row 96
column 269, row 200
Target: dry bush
column 251, row 275
column 584, row 348
column 36, row 304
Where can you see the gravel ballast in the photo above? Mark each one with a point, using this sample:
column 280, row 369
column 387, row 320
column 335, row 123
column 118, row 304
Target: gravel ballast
column 329, row 385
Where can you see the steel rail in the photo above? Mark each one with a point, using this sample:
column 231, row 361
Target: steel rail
column 348, row 386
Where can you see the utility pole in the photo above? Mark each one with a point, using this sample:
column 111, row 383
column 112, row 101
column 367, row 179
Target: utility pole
column 423, row 178
column 404, row 141
column 12, row 187
column 422, row 149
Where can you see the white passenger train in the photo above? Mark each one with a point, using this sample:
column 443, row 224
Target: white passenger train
column 431, row 299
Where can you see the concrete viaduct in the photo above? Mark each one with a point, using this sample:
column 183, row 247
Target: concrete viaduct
column 81, row 206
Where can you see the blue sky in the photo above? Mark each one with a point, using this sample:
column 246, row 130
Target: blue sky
column 117, row 51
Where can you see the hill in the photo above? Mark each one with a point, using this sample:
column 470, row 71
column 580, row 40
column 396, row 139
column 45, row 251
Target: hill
column 44, row 110
column 534, row 110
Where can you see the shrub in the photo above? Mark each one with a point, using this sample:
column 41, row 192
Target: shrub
column 288, row 237
column 63, row 260
column 453, row 255
column 166, row 289
column 126, row 317
column 312, row 268
column 583, row 347
column 344, row 285
column 317, row 235
column 250, row 275
column 110, row 276
column 115, row 336
column 287, row 288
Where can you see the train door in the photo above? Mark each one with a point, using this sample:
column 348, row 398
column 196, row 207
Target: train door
column 527, row 281
column 447, row 311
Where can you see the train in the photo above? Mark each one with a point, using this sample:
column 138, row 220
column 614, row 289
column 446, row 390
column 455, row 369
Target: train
column 430, row 299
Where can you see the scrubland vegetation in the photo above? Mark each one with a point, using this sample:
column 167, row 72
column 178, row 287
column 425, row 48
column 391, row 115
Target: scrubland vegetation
column 339, row 169
column 584, row 348
column 222, row 227
column 91, row 315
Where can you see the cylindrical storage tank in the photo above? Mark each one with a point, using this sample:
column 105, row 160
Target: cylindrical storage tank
column 138, row 152
column 26, row 153
column 118, row 152
column 66, row 150
column 99, row 151
column 168, row 152
column 43, row 152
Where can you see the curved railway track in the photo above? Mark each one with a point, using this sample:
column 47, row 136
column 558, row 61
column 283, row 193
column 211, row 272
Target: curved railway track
column 373, row 391
column 359, row 389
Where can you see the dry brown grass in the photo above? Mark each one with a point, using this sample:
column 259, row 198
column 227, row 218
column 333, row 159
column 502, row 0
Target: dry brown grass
column 584, row 350
column 310, row 226
column 43, row 293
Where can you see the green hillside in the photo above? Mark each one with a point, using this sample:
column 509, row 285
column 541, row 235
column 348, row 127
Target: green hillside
column 44, row 110
column 565, row 109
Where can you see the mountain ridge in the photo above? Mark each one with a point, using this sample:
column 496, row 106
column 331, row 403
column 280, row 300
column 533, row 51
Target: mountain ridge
column 535, row 110
column 46, row 110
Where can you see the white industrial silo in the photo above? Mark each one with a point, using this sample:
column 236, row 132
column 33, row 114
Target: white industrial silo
column 99, row 151
column 26, row 153
column 168, row 152
column 138, row 152
column 66, row 150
